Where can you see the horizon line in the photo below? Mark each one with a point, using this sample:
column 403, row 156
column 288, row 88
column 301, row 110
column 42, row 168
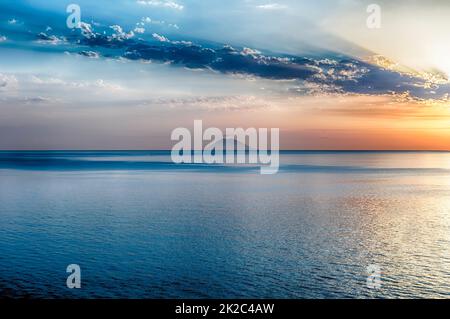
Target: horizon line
column 166, row 150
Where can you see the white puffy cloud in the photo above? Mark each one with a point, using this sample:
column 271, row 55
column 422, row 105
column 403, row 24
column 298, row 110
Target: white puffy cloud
column 160, row 38
column 139, row 30
column 120, row 34
column 249, row 51
column 86, row 30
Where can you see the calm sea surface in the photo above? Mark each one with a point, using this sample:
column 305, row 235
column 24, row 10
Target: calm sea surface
column 141, row 227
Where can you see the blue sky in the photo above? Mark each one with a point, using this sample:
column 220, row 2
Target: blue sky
column 137, row 69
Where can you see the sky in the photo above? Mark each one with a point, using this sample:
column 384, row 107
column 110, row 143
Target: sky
column 134, row 70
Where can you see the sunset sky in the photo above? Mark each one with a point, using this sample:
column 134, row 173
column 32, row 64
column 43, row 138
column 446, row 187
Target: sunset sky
column 136, row 70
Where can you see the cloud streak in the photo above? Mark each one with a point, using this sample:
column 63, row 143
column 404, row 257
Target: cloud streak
column 161, row 4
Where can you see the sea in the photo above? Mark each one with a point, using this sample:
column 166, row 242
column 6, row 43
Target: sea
column 329, row 224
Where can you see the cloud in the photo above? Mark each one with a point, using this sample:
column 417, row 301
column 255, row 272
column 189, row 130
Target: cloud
column 323, row 72
column 50, row 39
column 162, row 3
column 90, row 54
column 114, row 38
column 61, row 83
column 40, row 80
column 37, row 100
column 139, row 30
column 212, row 103
column 148, row 20
column 27, row 100
column 330, row 73
column 248, row 51
column 107, row 85
column 86, row 30
column 7, row 81
column 160, row 38
column 119, row 34
column 272, row 6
